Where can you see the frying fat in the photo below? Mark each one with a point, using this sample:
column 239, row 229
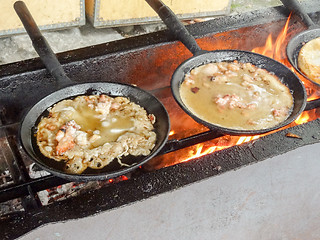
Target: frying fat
column 236, row 95
column 92, row 131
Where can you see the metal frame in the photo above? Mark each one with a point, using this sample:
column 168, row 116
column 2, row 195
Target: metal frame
column 78, row 22
column 99, row 22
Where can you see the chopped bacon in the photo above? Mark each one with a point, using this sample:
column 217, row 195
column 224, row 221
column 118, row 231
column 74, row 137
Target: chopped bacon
column 94, row 138
column 251, row 106
column 51, row 127
column 102, row 98
column 232, row 101
column 114, row 106
column 279, row 112
column 195, row 89
column 230, row 74
column 220, row 79
column 249, row 67
column 234, row 67
column 222, row 66
column 221, row 101
column 89, row 99
column 152, row 118
column 65, row 137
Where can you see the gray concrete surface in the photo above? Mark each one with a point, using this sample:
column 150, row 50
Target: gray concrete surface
column 270, row 200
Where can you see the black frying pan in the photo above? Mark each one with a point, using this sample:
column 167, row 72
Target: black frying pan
column 202, row 57
column 297, row 42
column 69, row 89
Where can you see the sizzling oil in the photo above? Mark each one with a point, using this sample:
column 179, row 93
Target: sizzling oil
column 266, row 96
column 109, row 129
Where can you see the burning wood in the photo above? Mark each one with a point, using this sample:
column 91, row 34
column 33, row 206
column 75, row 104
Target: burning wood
column 292, row 135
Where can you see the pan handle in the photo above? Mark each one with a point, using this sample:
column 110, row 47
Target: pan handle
column 297, row 8
column 175, row 26
column 312, row 104
column 41, row 46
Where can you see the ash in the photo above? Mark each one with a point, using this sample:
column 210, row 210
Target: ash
column 73, row 189
column 67, row 190
column 11, row 206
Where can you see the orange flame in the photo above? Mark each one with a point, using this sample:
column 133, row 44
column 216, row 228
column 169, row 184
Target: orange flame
column 267, row 49
column 303, row 118
column 247, row 139
column 199, row 152
column 275, row 50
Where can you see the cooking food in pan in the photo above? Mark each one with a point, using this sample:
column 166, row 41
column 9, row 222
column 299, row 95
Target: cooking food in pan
column 68, row 89
column 201, row 57
column 309, row 59
column 236, row 95
column 92, row 131
column 305, row 64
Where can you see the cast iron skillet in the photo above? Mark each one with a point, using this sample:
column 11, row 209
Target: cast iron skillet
column 70, row 90
column 296, row 43
column 202, row 57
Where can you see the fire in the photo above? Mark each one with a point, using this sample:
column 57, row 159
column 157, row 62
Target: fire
column 303, row 118
column 307, row 116
column 199, row 148
column 275, row 50
column 267, row 49
column 247, row 139
column 120, row 178
column 198, row 152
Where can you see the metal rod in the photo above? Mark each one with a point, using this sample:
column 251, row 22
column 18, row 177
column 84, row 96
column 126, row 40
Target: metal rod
column 174, row 145
column 22, row 189
column 40, row 44
column 175, row 26
column 296, row 7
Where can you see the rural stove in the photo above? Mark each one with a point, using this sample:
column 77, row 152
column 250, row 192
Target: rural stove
column 193, row 159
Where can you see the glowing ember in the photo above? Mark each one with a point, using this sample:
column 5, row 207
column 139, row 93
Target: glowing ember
column 198, row 152
column 199, row 148
column 124, row 177
column 247, row 139
column 306, row 117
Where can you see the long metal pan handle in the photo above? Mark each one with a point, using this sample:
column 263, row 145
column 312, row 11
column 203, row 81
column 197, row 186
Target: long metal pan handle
column 175, row 26
column 40, row 44
column 297, row 8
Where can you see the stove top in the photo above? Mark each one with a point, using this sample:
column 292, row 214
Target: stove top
column 147, row 61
